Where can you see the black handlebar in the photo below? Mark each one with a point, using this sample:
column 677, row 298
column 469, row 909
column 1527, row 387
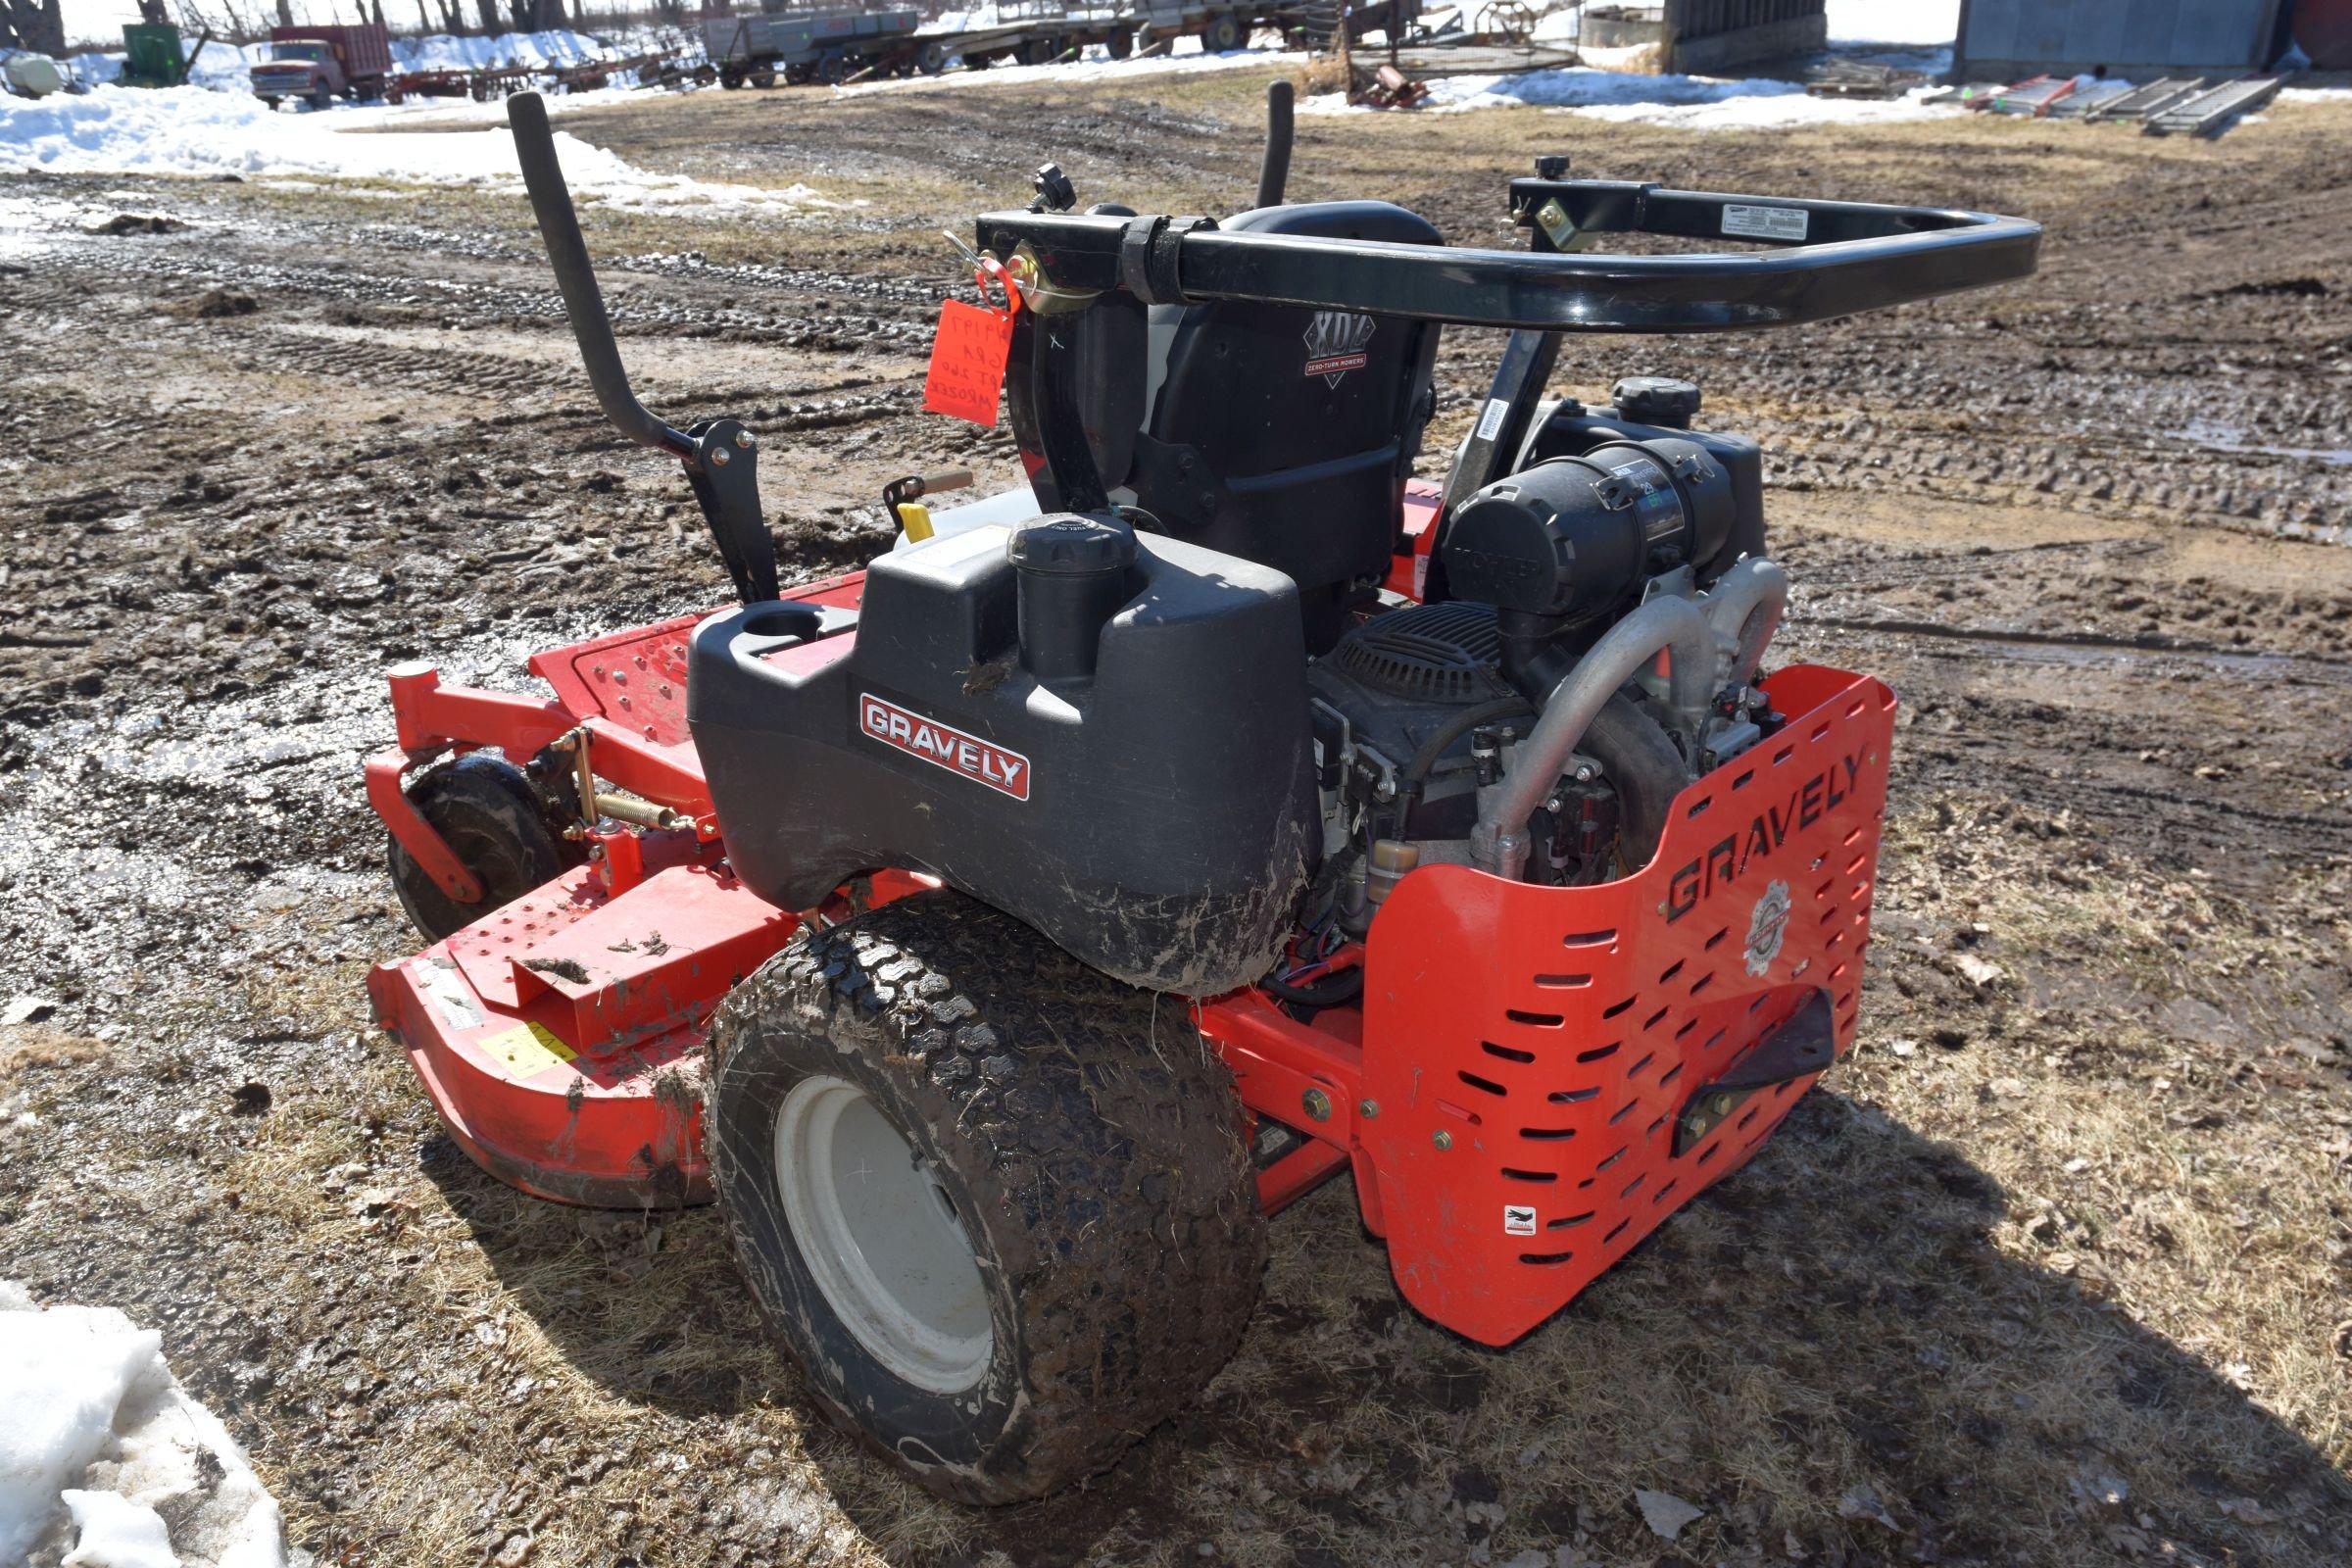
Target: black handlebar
column 583, row 301
column 1836, row 259
column 720, row 455
column 1274, row 169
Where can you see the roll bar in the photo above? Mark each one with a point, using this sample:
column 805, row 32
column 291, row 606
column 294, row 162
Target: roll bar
column 1830, row 258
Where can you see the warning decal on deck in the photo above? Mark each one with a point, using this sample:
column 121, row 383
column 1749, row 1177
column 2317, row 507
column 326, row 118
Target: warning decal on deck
column 1786, row 223
column 1518, row 1220
column 527, row 1049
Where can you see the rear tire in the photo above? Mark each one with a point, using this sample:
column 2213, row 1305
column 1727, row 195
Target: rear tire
column 1075, row 1131
column 1222, row 35
column 493, row 821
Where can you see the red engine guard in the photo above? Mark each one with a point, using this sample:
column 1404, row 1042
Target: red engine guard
column 1508, row 1096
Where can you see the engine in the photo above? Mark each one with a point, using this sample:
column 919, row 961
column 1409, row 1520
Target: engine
column 1520, row 720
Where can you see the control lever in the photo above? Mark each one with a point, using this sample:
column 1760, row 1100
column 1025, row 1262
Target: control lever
column 720, row 455
column 1274, row 168
column 901, row 498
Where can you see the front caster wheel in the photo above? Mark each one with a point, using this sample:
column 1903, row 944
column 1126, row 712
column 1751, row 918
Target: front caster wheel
column 493, row 820
column 970, row 1181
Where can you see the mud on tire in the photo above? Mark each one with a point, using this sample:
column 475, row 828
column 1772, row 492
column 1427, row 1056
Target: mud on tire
column 1086, row 1139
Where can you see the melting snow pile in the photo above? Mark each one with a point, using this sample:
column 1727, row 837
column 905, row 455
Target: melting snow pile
column 186, row 130
column 1693, row 103
column 1184, row 56
column 102, row 1450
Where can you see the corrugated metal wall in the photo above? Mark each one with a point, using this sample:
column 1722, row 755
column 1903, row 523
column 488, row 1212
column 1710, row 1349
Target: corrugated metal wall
column 1701, row 19
column 2225, row 34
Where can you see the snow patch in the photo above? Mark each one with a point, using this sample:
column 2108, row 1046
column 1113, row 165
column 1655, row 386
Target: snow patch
column 187, row 130
column 99, row 1436
column 1184, row 56
column 1913, row 22
column 1692, row 103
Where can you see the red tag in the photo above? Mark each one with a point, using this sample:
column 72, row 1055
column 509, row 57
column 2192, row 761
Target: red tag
column 967, row 357
column 967, row 361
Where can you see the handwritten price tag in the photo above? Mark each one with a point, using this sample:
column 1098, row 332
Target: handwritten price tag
column 967, row 357
column 967, row 361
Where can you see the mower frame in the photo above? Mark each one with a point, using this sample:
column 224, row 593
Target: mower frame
column 1537, row 1076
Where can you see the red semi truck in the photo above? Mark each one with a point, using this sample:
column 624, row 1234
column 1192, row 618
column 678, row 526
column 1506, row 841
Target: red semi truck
column 319, row 65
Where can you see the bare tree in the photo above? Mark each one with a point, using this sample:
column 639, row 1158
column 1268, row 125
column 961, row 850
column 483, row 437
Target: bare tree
column 35, row 24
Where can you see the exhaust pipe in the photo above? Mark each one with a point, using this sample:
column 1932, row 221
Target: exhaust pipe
column 1500, row 842
column 1744, row 608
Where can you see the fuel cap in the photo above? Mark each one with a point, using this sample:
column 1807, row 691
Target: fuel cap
column 1071, row 545
column 1656, row 400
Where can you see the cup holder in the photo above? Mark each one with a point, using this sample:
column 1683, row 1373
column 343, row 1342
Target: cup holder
column 781, row 621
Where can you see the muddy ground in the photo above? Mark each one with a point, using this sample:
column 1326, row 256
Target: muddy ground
column 2057, row 1269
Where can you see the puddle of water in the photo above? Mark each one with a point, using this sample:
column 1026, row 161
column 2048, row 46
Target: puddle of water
column 2214, row 436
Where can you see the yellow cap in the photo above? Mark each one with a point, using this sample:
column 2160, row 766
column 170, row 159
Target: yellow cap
column 915, row 518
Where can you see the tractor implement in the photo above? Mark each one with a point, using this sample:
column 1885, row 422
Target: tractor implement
column 1001, row 932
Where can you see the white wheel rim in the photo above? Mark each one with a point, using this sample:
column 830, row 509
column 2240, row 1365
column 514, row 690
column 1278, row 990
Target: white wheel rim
column 880, row 1237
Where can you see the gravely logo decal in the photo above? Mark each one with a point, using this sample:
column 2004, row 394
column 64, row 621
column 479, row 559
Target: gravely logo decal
column 1007, row 772
column 1334, row 344
column 1729, row 860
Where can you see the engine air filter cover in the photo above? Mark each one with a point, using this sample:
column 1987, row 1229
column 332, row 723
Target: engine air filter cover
column 1443, row 652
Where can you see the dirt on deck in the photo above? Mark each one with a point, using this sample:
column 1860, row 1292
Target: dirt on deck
column 2056, row 1269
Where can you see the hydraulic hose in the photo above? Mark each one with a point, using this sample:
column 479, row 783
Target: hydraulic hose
column 1674, row 625
column 1745, row 606
column 1453, row 729
column 1345, row 986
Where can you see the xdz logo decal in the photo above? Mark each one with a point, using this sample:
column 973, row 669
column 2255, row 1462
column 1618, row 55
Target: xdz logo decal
column 1334, row 344
column 1767, row 928
column 1007, row 772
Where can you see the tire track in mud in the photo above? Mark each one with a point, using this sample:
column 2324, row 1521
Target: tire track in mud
column 2248, row 664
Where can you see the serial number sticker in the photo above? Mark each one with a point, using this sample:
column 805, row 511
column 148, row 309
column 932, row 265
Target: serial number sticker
column 944, row 746
column 1491, row 417
column 1518, row 1220
column 527, row 1049
column 1765, row 223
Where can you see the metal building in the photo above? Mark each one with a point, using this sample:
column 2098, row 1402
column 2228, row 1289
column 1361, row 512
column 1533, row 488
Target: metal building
column 1707, row 36
column 2004, row 41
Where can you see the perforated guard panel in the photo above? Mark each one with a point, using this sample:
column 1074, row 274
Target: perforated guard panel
column 1531, row 1048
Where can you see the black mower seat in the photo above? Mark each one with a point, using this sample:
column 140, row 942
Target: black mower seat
column 1284, row 435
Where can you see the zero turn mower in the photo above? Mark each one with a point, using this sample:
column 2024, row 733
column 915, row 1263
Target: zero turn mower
column 1001, row 932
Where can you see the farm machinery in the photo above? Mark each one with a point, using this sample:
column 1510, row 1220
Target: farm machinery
column 1002, row 932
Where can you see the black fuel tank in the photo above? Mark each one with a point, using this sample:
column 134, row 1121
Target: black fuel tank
column 1154, row 817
